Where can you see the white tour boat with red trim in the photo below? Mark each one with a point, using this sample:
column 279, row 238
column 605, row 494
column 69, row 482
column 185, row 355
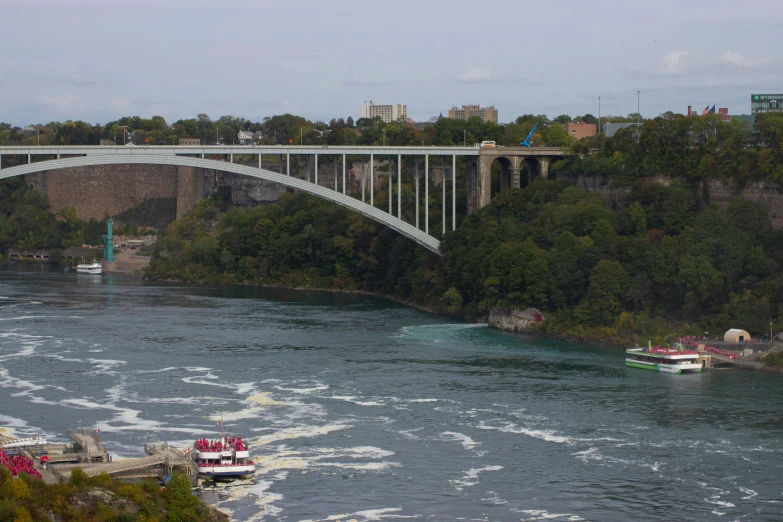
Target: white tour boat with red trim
column 227, row 457
column 668, row 360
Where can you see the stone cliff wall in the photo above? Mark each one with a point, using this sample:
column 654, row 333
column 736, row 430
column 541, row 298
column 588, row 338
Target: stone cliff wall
column 717, row 192
column 104, row 190
column 766, row 193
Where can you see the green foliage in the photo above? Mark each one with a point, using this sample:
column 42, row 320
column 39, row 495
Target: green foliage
column 773, row 359
column 78, row 478
column 596, row 273
column 100, row 499
column 690, row 149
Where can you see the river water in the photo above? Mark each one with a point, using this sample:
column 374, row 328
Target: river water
column 358, row 408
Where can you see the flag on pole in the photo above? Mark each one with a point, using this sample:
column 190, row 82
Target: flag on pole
column 712, row 111
column 705, row 111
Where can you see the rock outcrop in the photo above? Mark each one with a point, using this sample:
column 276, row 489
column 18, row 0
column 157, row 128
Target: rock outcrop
column 515, row 320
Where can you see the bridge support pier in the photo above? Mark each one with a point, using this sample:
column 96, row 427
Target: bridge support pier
column 515, row 177
column 543, row 172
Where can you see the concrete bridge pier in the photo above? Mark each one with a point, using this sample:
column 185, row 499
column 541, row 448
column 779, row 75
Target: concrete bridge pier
column 543, row 171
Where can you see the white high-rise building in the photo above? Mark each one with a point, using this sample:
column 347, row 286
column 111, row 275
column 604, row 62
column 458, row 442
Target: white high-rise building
column 386, row 112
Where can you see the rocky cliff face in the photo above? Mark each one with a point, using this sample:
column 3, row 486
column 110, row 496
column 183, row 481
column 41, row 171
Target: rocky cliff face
column 516, row 320
column 717, row 192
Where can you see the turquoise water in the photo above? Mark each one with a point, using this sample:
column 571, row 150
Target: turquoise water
column 359, row 408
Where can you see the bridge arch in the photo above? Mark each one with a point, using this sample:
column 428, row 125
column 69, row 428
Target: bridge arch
column 396, row 224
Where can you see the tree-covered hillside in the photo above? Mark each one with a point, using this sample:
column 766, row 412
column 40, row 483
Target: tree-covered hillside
column 658, row 266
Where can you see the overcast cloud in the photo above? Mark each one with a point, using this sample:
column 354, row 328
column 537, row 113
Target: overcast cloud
column 98, row 60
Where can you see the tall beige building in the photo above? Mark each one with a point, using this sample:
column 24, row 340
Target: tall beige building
column 468, row 111
column 386, row 112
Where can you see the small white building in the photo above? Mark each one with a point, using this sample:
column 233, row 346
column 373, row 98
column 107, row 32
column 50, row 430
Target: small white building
column 736, row 336
column 245, row 136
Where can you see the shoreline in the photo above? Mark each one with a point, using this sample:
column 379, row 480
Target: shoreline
column 563, row 337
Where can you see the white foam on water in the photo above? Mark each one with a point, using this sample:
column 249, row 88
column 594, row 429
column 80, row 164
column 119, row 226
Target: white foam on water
column 27, row 317
column 353, row 399
column 284, row 458
column 471, row 477
column 366, row 515
column 494, row 500
column 13, row 427
column 543, row 514
column 408, row 434
column 547, row 435
column 749, row 492
column 28, row 387
column 264, row 501
column 721, row 503
column 297, row 433
column 423, row 400
column 463, row 439
column 105, row 365
column 304, row 391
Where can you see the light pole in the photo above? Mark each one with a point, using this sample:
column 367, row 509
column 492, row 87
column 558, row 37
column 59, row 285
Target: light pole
column 599, row 115
column 384, row 137
column 124, row 131
column 217, row 136
column 464, row 138
column 638, row 134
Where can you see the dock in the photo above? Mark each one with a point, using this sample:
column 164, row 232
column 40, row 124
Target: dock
column 88, row 453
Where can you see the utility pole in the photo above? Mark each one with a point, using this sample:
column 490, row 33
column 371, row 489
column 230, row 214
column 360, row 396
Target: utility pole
column 599, row 115
column 638, row 116
column 38, row 135
column 217, row 136
column 464, row 138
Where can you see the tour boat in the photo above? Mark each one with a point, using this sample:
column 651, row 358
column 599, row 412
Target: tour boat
column 669, row 360
column 227, row 457
column 89, row 268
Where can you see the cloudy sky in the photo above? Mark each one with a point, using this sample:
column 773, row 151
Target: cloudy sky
column 98, row 60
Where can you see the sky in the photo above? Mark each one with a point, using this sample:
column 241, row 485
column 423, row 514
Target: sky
column 99, row 60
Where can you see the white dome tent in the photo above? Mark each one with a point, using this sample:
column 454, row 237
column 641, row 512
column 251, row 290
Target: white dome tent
column 736, row 336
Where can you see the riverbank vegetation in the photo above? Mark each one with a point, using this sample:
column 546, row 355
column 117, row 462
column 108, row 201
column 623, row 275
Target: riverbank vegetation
column 27, row 223
column 662, row 265
column 83, row 498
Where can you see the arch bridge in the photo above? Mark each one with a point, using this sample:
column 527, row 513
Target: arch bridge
column 477, row 169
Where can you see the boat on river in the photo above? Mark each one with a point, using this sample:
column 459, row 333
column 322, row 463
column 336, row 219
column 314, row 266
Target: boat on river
column 226, row 457
column 93, row 268
column 668, row 360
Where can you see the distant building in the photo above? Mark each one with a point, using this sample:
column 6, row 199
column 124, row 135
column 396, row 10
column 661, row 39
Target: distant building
column 257, row 135
column 748, row 120
column 386, row 112
column 468, row 111
column 580, row 130
column 244, row 136
column 760, row 103
column 610, row 129
column 189, row 141
column 723, row 111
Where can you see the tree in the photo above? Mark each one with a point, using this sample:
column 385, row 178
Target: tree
column 349, row 122
column 601, row 305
